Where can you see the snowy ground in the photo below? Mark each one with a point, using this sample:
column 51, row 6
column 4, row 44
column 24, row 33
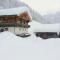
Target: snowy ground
column 30, row 48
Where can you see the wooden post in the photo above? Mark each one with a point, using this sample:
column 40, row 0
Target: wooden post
column 14, row 23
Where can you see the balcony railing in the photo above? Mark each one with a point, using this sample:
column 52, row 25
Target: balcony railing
column 14, row 25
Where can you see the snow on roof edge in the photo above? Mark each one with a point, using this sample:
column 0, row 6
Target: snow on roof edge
column 15, row 11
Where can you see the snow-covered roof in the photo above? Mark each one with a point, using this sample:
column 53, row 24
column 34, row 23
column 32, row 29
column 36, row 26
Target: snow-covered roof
column 46, row 28
column 15, row 11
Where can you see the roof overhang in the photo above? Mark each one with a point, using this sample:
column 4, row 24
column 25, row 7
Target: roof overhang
column 15, row 11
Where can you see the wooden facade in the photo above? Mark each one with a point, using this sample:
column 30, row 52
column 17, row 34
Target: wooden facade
column 14, row 20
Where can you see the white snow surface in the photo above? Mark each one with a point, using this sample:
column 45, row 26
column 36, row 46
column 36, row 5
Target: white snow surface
column 38, row 27
column 47, row 28
column 14, row 11
column 30, row 48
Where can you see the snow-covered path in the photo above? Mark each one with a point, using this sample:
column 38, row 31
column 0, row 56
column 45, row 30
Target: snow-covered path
column 30, row 48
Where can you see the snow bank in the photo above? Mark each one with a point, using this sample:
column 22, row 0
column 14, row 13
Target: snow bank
column 33, row 26
column 15, row 11
column 47, row 28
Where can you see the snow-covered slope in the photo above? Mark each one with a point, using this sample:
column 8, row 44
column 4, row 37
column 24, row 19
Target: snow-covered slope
column 30, row 48
column 52, row 17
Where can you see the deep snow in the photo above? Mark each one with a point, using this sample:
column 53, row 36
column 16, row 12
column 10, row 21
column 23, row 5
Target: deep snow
column 30, row 48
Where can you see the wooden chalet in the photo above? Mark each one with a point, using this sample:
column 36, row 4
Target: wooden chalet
column 15, row 17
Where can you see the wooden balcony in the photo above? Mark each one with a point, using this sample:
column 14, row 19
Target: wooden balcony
column 14, row 25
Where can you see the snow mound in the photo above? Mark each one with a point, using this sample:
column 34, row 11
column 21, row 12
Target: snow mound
column 7, row 35
column 47, row 28
column 33, row 25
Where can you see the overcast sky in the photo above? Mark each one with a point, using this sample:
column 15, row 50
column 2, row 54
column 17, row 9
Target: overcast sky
column 44, row 6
